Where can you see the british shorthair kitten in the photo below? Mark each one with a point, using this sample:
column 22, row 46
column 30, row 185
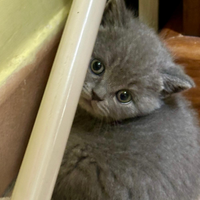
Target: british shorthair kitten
column 134, row 136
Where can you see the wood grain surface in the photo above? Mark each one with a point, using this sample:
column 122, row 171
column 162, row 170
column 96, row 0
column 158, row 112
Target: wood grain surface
column 191, row 17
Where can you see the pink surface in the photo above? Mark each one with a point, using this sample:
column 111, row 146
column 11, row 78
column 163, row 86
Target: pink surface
column 20, row 99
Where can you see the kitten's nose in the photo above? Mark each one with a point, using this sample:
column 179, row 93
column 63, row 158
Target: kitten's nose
column 95, row 97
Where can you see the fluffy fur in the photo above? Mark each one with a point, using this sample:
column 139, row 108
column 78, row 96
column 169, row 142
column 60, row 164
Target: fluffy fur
column 146, row 149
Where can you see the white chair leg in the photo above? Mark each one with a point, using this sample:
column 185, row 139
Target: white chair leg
column 44, row 153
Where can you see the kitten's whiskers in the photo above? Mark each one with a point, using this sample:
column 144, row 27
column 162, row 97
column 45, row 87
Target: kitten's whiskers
column 104, row 111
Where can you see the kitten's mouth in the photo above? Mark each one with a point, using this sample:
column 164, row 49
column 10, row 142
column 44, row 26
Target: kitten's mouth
column 88, row 102
column 94, row 107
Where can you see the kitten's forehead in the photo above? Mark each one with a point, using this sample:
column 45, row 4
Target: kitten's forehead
column 121, row 48
column 131, row 56
column 126, row 54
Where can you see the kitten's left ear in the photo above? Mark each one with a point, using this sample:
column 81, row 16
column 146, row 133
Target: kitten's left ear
column 175, row 80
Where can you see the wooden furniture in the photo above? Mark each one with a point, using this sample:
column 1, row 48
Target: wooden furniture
column 186, row 48
column 191, row 17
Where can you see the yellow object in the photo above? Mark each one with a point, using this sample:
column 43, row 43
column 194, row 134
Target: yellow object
column 24, row 26
column 148, row 12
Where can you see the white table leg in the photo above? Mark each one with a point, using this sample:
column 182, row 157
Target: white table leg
column 42, row 159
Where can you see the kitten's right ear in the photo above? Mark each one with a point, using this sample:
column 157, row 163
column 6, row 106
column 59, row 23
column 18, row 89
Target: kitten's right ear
column 115, row 13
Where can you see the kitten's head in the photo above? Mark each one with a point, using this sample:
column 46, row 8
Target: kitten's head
column 130, row 70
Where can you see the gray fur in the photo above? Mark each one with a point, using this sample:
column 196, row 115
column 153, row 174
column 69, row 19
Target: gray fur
column 147, row 149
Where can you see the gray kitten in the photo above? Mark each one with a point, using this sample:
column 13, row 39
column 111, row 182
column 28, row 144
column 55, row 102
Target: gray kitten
column 134, row 136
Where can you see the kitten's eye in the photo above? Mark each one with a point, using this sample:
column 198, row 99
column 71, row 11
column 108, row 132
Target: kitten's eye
column 97, row 67
column 123, row 96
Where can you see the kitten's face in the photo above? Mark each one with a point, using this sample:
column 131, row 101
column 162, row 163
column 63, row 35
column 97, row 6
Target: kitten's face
column 125, row 78
column 122, row 80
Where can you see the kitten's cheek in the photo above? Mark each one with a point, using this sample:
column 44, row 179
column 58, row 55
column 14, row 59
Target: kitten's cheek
column 86, row 92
